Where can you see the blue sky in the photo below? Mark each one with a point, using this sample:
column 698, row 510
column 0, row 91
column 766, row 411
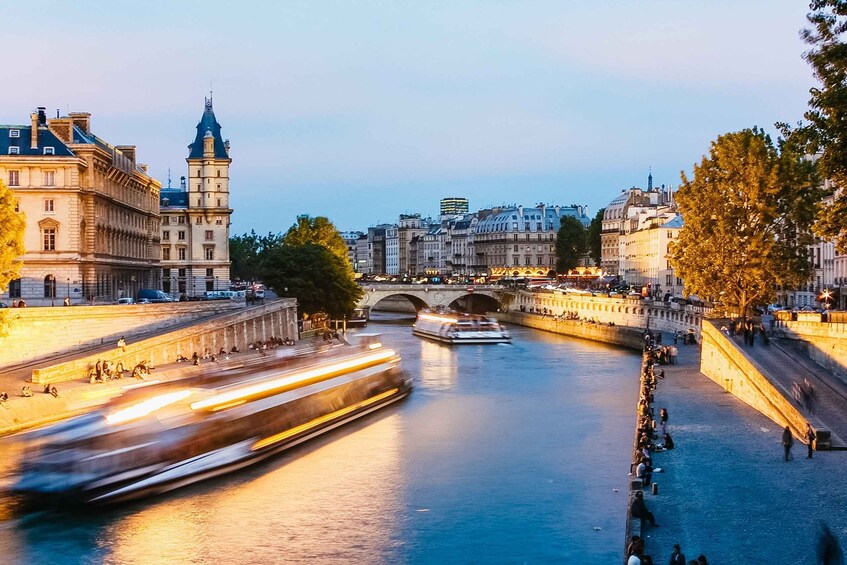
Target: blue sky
column 360, row 111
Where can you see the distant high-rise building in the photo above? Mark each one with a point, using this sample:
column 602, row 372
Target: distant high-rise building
column 454, row 206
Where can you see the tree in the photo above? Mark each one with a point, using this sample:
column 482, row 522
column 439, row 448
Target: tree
column 748, row 214
column 826, row 132
column 319, row 279
column 317, row 230
column 246, row 251
column 593, row 236
column 12, row 226
column 571, row 244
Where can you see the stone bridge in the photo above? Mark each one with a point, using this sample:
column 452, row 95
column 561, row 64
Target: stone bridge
column 470, row 298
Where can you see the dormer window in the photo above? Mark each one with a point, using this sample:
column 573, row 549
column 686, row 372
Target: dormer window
column 14, row 133
column 49, row 151
column 14, row 150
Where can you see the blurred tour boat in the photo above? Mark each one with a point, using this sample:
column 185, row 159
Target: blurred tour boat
column 165, row 436
column 456, row 328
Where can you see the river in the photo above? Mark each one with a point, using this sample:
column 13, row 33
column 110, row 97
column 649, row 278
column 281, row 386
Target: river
column 502, row 454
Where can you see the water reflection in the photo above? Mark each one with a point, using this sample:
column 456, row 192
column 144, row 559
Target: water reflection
column 438, row 366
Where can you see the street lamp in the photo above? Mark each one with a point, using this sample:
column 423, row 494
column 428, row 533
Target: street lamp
column 69, row 289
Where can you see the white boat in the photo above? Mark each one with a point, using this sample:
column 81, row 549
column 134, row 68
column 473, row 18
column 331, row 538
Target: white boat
column 162, row 437
column 456, row 328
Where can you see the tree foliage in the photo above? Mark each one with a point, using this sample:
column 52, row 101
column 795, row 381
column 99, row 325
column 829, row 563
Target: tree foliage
column 826, row 131
column 246, row 251
column 571, row 244
column 318, row 230
column 12, row 226
column 593, row 236
column 319, row 279
column 748, row 213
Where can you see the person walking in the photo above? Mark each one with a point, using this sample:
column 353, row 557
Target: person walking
column 677, row 557
column 787, row 442
column 810, row 438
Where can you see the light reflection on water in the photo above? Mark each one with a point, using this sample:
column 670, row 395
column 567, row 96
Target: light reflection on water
column 504, row 453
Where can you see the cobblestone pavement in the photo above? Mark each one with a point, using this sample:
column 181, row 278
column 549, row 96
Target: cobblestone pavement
column 725, row 491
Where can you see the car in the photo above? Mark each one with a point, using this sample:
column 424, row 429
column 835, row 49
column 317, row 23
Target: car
column 125, row 300
column 143, row 301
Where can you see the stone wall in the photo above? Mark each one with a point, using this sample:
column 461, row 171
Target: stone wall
column 725, row 363
column 30, row 334
column 616, row 335
column 825, row 343
column 630, row 311
column 238, row 328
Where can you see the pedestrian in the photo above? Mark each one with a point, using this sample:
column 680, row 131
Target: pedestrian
column 639, row 510
column 701, row 560
column 122, row 343
column 810, row 438
column 67, row 301
column 677, row 557
column 787, row 442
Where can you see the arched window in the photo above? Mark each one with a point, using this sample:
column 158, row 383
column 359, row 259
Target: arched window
column 49, row 286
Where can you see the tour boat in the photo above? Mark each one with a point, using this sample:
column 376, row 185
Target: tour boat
column 456, row 328
column 165, row 436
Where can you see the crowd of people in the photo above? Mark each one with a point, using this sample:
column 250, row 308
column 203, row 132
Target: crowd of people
column 652, row 436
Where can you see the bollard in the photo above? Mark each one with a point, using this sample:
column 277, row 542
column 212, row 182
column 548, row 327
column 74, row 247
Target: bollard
column 654, row 488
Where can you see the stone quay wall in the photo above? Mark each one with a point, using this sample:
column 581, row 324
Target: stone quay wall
column 723, row 361
column 31, row 334
column 616, row 335
column 234, row 329
column 825, row 343
column 622, row 311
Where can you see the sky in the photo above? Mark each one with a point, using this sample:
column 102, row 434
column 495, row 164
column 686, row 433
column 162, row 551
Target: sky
column 361, row 111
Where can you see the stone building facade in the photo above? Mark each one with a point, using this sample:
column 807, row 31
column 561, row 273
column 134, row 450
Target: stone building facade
column 196, row 216
column 92, row 212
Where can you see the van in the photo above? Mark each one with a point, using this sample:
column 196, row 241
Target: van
column 154, row 295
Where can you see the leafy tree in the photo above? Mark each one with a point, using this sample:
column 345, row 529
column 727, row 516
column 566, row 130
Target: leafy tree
column 748, row 213
column 246, row 251
column 12, row 226
column 317, row 230
column 319, row 279
column 826, row 132
column 571, row 244
column 594, row 241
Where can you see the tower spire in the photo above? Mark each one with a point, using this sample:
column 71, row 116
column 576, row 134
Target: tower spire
column 649, row 179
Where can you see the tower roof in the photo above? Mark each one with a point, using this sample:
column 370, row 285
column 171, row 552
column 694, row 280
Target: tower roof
column 209, row 124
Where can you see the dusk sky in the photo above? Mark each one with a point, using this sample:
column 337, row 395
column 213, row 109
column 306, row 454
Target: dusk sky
column 361, row 111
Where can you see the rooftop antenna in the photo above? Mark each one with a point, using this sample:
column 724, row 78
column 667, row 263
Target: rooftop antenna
column 169, row 177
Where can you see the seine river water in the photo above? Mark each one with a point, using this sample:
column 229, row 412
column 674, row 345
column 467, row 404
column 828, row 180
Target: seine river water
column 502, row 454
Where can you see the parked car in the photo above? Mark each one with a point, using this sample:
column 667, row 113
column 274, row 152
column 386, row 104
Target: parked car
column 154, row 295
column 125, row 300
column 143, row 301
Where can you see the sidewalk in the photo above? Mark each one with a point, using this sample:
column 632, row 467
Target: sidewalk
column 725, row 491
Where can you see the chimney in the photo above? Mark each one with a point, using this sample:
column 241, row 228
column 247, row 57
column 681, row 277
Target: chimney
column 143, row 167
column 128, row 151
column 182, row 183
column 82, row 120
column 42, row 116
column 33, row 132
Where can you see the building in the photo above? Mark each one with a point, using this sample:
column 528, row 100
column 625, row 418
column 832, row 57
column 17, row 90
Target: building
column 392, row 251
column 644, row 261
column 92, row 212
column 351, row 239
column 196, row 216
column 410, row 226
column 521, row 242
column 364, row 257
column 453, row 206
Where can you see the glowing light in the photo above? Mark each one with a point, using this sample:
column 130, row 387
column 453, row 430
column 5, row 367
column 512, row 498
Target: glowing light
column 316, row 374
column 376, row 345
column 276, row 438
column 437, row 318
column 146, row 407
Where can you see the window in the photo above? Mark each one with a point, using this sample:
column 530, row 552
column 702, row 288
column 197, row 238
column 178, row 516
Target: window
column 14, row 133
column 166, row 273
column 181, row 220
column 49, row 151
column 219, row 173
column 181, row 272
column 14, row 178
column 49, row 286
column 15, row 288
column 181, row 253
column 48, row 205
column 668, row 280
column 166, row 236
column 198, row 200
column 516, row 260
column 219, row 201
column 210, row 285
column 516, row 237
column 210, row 272
column 166, row 220
column 552, row 248
column 210, row 253
column 199, row 220
column 515, row 249
column 219, row 221
column 14, row 150
column 49, row 236
column 166, row 253
column 180, row 235
column 49, row 178
column 210, row 235
column 678, row 280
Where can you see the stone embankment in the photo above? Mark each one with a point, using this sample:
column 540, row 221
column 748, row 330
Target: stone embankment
column 32, row 334
column 823, row 342
column 612, row 334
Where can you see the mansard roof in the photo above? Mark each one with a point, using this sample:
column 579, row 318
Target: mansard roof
column 176, row 198
column 23, row 142
column 208, row 123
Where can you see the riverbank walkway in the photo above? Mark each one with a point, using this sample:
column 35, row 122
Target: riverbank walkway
column 725, row 491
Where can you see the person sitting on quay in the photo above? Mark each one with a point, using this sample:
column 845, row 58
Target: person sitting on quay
column 26, row 392
column 195, row 359
column 639, row 510
column 3, row 397
column 122, row 344
column 222, row 351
